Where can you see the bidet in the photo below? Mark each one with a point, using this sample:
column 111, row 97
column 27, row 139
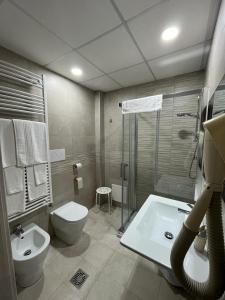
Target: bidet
column 29, row 251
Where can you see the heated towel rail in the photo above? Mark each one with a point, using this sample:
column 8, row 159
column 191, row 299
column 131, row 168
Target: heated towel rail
column 22, row 95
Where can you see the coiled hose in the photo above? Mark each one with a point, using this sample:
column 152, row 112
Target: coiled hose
column 214, row 287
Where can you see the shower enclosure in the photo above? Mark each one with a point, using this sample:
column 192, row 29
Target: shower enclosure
column 159, row 153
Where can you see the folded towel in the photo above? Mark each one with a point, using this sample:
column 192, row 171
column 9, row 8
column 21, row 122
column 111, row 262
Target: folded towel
column 146, row 104
column 15, row 202
column 35, row 191
column 8, row 150
column 40, row 174
column 14, row 180
column 31, row 142
column 13, row 176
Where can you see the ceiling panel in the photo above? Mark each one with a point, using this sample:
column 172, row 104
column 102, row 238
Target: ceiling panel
column 130, row 8
column 181, row 62
column 66, row 63
column 113, row 51
column 103, row 83
column 191, row 17
column 21, row 34
column 133, row 75
column 76, row 22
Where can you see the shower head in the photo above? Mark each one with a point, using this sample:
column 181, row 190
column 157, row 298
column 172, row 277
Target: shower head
column 187, row 115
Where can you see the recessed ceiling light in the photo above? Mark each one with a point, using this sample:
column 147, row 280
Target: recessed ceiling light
column 170, row 33
column 76, row 71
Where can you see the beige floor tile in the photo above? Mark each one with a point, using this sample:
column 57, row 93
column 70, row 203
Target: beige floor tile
column 167, row 292
column 144, row 283
column 63, row 265
column 98, row 254
column 110, row 239
column 78, row 249
column 152, row 267
column 105, row 289
column 96, row 214
column 63, row 292
column 98, row 229
column 52, row 252
column 91, row 221
column 119, row 268
column 127, row 252
column 128, row 295
column 114, row 220
column 43, row 288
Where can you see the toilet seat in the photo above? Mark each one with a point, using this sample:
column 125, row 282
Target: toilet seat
column 71, row 212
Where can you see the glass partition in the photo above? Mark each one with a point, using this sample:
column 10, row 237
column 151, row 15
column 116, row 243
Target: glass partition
column 159, row 154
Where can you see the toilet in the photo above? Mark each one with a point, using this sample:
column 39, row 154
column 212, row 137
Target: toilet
column 68, row 221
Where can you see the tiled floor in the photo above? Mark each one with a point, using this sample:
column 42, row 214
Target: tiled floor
column 114, row 272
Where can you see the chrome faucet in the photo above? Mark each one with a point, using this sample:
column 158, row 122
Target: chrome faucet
column 18, row 230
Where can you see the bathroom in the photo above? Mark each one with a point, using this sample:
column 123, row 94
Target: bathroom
column 115, row 174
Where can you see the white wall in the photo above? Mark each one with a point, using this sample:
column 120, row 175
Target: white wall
column 216, row 62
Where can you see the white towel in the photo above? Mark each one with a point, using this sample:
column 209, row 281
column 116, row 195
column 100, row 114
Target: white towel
column 35, row 191
column 14, row 180
column 8, row 149
column 31, row 142
column 40, row 174
column 13, row 176
column 15, row 202
column 146, row 104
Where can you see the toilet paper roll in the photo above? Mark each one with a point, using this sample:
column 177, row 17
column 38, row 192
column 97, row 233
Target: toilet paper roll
column 80, row 183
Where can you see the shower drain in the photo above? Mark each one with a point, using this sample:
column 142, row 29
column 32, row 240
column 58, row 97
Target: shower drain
column 168, row 235
column 27, row 252
column 79, row 278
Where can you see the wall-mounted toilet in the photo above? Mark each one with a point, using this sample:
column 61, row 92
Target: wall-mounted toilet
column 68, row 221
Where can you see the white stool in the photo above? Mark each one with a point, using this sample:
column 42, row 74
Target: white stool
column 104, row 191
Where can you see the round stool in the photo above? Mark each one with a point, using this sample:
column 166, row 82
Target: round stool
column 104, row 191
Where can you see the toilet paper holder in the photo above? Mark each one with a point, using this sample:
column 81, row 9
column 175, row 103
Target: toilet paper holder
column 76, row 167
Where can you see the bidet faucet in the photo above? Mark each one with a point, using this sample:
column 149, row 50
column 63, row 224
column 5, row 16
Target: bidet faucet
column 18, row 230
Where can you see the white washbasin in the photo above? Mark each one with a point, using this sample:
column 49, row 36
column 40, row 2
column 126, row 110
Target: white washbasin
column 29, row 252
column 146, row 235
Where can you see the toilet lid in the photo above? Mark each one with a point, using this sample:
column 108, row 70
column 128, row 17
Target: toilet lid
column 71, row 212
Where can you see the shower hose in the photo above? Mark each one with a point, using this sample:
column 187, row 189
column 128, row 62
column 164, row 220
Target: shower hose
column 214, row 287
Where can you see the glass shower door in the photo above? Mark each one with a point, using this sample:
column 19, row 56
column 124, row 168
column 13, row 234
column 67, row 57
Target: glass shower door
column 128, row 168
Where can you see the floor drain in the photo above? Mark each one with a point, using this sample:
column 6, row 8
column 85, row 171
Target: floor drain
column 79, row 278
column 168, row 235
column 27, row 252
